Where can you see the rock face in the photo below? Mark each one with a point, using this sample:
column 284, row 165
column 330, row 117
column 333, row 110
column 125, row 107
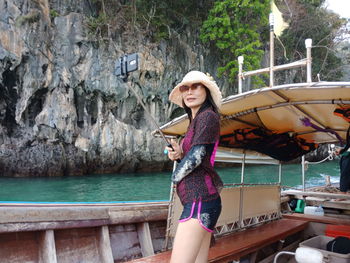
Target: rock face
column 62, row 109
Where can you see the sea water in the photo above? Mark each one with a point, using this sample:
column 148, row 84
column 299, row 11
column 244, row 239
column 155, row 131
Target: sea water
column 149, row 186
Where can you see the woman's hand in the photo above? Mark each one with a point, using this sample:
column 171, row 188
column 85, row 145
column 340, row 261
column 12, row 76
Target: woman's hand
column 175, row 153
column 337, row 150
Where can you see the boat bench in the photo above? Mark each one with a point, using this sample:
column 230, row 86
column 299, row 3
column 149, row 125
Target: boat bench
column 242, row 243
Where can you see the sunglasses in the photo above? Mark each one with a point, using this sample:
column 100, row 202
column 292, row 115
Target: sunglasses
column 192, row 87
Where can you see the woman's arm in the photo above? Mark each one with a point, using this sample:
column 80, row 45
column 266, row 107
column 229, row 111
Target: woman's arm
column 191, row 161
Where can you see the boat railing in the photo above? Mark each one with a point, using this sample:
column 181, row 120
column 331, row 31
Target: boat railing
column 306, row 62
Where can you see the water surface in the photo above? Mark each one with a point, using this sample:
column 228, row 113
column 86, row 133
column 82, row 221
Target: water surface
column 148, row 186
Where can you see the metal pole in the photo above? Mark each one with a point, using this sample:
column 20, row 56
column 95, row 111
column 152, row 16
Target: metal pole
column 241, row 193
column 280, row 173
column 170, row 212
column 240, row 75
column 271, row 20
column 308, row 45
column 303, row 171
column 139, row 100
column 243, row 167
column 279, row 183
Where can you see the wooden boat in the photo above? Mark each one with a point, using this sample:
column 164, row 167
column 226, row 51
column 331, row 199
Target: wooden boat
column 299, row 117
column 90, row 232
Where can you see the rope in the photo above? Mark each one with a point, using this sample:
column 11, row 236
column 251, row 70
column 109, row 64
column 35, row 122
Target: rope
column 330, row 157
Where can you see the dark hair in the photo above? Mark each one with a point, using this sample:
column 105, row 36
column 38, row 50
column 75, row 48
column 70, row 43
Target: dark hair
column 209, row 102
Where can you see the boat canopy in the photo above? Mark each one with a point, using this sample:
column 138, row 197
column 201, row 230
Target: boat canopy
column 283, row 122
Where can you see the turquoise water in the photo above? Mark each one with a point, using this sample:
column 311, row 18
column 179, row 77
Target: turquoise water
column 148, row 186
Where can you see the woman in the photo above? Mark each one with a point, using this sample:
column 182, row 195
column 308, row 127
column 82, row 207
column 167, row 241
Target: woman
column 344, row 184
column 198, row 185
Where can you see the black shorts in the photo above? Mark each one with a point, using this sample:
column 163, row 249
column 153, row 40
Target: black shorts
column 344, row 173
column 207, row 213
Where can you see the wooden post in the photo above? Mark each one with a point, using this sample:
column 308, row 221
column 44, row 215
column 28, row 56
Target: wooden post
column 104, row 245
column 47, row 248
column 145, row 239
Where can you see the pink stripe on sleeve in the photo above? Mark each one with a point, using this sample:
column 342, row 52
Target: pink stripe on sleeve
column 212, row 158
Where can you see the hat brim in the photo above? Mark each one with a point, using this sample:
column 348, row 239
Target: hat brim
column 176, row 95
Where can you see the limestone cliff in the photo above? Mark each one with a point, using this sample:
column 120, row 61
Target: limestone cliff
column 62, row 109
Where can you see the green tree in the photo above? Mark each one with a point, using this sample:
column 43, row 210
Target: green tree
column 237, row 27
column 309, row 19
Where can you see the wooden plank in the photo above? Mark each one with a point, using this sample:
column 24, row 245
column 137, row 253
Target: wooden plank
column 40, row 214
column 316, row 194
column 77, row 245
column 145, row 239
column 19, row 247
column 239, row 244
column 316, row 201
column 77, row 204
column 20, row 227
column 136, row 215
column 47, row 248
column 318, row 219
column 104, row 245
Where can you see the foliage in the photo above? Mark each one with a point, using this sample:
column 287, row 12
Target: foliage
column 237, row 28
column 53, row 14
column 156, row 18
column 98, row 25
column 162, row 17
column 310, row 20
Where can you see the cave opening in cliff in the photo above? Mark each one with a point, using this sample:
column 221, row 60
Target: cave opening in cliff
column 86, row 107
column 35, row 106
column 8, row 91
column 92, row 108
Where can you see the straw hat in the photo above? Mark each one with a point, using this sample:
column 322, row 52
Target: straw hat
column 196, row 77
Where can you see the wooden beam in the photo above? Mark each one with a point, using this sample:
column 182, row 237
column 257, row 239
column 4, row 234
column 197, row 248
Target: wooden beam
column 47, row 248
column 145, row 239
column 104, row 245
column 342, row 205
column 319, row 219
column 316, row 194
column 136, row 215
column 46, row 214
column 19, row 227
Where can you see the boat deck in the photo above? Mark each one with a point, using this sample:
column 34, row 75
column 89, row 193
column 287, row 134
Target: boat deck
column 239, row 244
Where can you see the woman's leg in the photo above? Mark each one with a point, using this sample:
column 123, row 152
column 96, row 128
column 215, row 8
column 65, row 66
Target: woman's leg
column 202, row 256
column 188, row 241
